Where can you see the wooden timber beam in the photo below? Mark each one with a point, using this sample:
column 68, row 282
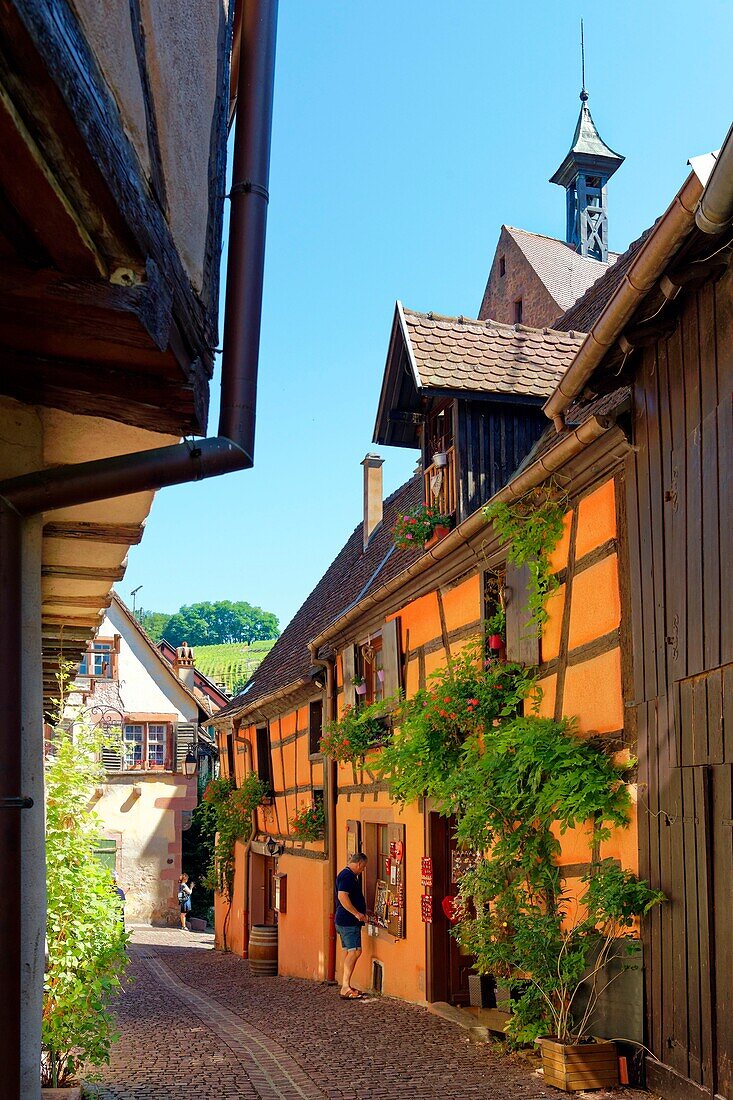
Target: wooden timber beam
column 85, row 572
column 90, row 621
column 97, row 602
column 125, row 534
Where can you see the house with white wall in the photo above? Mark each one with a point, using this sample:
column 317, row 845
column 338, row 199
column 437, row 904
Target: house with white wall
column 156, row 720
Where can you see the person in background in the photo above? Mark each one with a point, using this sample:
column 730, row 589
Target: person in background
column 185, row 889
column 350, row 915
column 121, row 895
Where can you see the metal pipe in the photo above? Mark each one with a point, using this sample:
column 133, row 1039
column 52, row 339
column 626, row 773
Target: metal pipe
column 11, row 797
column 650, row 261
column 233, row 449
column 715, row 212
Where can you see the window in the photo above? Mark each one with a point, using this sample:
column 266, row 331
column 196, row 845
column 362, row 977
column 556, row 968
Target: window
column 502, row 267
column 145, row 745
column 98, row 661
column 231, row 770
column 372, row 669
column 315, row 726
column 518, row 311
column 384, row 886
column 264, row 763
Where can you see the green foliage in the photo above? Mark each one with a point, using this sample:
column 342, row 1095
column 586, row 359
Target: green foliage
column 231, row 663
column 233, row 819
column 496, row 624
column 224, row 621
column 466, row 697
column 198, row 854
column 357, row 732
column 514, row 791
column 85, row 934
column 309, row 823
column 153, row 623
column 532, row 526
column 415, row 527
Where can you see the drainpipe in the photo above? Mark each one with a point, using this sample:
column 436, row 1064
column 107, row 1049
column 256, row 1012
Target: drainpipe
column 247, row 849
column 82, row 483
column 12, row 802
column 233, row 448
column 331, row 784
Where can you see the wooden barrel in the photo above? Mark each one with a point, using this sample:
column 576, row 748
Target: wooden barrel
column 263, row 950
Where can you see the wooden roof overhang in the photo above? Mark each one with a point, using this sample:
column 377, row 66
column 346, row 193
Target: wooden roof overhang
column 402, row 404
column 97, row 314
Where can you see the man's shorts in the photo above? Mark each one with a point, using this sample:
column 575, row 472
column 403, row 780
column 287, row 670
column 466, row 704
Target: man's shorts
column 350, row 936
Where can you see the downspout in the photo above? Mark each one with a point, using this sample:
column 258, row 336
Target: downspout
column 331, row 782
column 233, row 448
column 247, row 848
column 82, row 483
column 12, row 802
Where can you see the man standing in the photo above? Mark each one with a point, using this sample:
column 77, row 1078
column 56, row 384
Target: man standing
column 349, row 917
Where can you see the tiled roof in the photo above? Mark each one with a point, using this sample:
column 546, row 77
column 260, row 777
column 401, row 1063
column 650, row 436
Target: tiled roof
column 586, row 311
column 564, row 272
column 456, row 354
column 346, row 580
column 609, row 404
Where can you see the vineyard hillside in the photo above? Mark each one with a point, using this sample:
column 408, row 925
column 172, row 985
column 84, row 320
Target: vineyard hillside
column 232, row 663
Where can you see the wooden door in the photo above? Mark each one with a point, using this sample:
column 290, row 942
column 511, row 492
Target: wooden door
column 448, row 965
column 270, row 911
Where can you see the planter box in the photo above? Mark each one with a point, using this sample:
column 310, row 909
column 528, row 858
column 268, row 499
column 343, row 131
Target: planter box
column 578, row 1066
column 72, row 1093
column 438, row 533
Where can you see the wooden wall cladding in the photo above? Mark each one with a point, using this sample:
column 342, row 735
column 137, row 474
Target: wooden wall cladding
column 679, row 506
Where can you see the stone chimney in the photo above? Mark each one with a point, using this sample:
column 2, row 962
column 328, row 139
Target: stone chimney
column 372, row 495
column 184, row 665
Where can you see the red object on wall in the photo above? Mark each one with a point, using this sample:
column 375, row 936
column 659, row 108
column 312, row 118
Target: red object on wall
column 426, row 871
column 452, row 908
column 426, row 908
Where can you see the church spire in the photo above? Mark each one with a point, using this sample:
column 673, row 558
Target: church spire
column 584, row 173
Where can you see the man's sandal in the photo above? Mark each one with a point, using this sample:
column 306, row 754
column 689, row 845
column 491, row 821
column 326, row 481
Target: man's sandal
column 352, row 995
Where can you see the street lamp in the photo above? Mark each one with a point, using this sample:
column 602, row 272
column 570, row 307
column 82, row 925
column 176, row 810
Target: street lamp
column 190, row 763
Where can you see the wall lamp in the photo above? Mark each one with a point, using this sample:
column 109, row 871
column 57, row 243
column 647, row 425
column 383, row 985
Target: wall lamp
column 190, row 763
column 273, row 848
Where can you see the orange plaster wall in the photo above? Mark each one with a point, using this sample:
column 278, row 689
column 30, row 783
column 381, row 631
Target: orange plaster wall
column 236, row 936
column 403, row 960
column 552, row 629
column 559, row 556
column 546, row 705
column 302, row 932
column 462, row 604
column 593, row 693
column 596, row 602
column 422, row 619
column 596, row 519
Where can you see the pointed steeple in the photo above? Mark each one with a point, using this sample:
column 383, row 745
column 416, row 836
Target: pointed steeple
column 584, row 173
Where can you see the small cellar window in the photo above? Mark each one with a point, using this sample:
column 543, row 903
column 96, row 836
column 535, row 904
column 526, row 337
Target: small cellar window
column 377, row 976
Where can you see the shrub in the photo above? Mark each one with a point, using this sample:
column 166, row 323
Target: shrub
column 85, row 934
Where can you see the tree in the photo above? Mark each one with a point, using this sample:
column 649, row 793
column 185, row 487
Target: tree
column 154, row 623
column 223, row 621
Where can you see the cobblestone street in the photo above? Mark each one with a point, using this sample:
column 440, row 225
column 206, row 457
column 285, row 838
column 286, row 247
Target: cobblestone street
column 196, row 1023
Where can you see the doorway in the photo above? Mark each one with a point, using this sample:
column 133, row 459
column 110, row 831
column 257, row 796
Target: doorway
column 448, row 963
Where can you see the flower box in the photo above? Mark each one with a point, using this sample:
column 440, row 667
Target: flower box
column 439, row 533
column 579, row 1066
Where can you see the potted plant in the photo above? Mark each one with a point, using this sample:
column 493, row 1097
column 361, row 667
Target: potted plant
column 417, row 526
column 356, row 732
column 440, row 459
column 360, row 684
column 496, row 630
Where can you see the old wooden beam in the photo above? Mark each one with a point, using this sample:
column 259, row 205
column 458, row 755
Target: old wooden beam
column 85, row 572
column 125, row 534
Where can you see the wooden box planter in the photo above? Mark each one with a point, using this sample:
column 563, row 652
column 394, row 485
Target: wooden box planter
column 578, row 1066
column 439, row 533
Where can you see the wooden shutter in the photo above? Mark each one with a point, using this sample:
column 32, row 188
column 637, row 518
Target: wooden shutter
column 396, row 891
column 185, row 735
column 522, row 643
column 391, row 658
column 348, row 664
column 353, row 839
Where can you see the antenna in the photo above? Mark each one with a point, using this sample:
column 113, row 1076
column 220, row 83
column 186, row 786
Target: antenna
column 583, row 93
column 134, row 594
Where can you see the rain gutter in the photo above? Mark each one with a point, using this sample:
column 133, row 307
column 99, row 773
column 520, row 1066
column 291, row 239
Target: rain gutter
column 649, row 264
column 567, row 448
column 715, row 212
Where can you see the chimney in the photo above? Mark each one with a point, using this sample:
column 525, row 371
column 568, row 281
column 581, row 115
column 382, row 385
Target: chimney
column 183, row 665
column 372, row 495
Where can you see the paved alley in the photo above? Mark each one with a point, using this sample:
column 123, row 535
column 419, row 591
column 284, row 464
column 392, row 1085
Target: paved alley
column 196, row 1023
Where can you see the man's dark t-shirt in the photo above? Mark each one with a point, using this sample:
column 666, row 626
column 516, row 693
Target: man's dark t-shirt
column 348, row 882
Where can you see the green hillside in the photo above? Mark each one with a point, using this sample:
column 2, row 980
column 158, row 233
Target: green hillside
column 231, row 663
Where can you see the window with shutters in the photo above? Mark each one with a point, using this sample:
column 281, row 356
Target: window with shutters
column 384, row 885
column 146, row 746
column 264, row 761
column 99, row 662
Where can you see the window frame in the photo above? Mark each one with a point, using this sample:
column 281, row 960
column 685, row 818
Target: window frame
column 100, row 647
column 145, row 764
column 315, row 728
column 518, row 311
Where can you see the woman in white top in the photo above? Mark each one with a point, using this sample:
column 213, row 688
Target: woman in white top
column 184, row 897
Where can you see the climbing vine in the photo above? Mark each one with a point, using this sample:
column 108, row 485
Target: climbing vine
column 234, row 820
column 532, row 527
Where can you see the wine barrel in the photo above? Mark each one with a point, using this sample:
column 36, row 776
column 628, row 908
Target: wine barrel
column 263, row 950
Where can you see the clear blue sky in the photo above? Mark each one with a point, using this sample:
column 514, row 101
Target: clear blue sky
column 405, row 133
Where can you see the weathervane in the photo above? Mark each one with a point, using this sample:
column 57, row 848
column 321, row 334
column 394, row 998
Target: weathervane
column 583, row 93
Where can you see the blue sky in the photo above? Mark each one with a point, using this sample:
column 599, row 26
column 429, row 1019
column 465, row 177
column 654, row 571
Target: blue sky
column 405, row 133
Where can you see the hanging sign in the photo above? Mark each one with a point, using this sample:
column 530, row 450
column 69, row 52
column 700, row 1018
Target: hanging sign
column 461, row 863
column 426, row 871
column 426, row 908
